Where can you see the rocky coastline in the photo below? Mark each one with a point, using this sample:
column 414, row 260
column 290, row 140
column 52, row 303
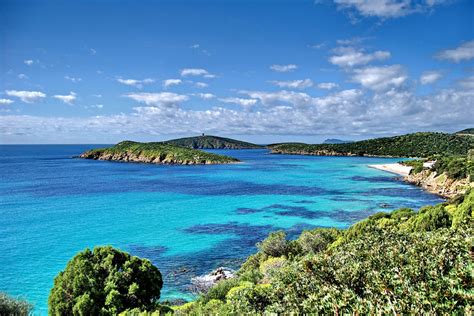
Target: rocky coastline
column 439, row 184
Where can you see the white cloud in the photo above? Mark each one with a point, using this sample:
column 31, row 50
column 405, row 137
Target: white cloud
column 327, row 85
column 206, row 96
column 430, row 76
column 97, row 95
column 97, row 106
column 201, row 84
column 464, row 52
column 92, row 51
column 294, row 84
column 165, row 99
column 283, row 68
column 380, row 78
column 245, row 103
column 73, row 79
column 171, row 82
column 467, row 83
column 5, row 101
column 350, row 57
column 386, row 8
column 194, row 46
column 26, row 96
column 135, row 83
column 29, row 62
column 68, row 98
column 278, row 98
column 22, row 76
column 187, row 72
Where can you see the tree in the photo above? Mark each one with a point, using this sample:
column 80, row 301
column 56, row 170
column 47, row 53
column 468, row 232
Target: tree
column 13, row 306
column 105, row 281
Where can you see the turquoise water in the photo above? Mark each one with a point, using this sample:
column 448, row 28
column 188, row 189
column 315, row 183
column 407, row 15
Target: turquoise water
column 186, row 219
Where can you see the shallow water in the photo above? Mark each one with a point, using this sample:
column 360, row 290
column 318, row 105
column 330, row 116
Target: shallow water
column 186, row 219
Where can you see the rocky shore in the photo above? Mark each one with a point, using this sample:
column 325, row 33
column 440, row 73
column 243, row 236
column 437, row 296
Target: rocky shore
column 428, row 180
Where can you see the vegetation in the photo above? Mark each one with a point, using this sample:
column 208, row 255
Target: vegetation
column 105, row 281
column 156, row 153
column 404, row 262
column 410, row 145
column 212, row 142
column 467, row 131
column 454, row 167
column 13, row 306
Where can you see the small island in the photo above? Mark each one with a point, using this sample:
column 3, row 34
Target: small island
column 156, row 153
column 212, row 142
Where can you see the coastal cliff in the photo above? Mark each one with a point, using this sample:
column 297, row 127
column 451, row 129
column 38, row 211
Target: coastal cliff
column 156, row 153
column 439, row 184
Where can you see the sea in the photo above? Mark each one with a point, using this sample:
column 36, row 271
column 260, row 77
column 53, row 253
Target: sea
column 188, row 220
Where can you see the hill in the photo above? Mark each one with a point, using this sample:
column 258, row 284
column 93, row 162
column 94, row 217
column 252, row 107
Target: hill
column 467, row 131
column 212, row 142
column 337, row 141
column 410, row 145
column 157, row 153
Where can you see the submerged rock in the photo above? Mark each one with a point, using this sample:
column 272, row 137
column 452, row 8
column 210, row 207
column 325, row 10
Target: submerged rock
column 205, row 282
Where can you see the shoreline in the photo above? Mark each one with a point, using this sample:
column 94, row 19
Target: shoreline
column 395, row 168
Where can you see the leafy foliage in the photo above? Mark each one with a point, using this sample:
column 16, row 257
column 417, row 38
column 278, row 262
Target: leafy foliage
column 212, row 142
column 13, row 306
column 105, row 281
column 410, row 145
column 404, row 262
column 155, row 153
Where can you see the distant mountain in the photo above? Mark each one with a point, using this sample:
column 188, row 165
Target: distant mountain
column 337, row 141
column 467, row 131
column 156, row 153
column 410, row 145
column 212, row 142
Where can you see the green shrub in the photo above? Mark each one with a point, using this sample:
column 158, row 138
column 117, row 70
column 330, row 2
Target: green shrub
column 429, row 218
column 314, row 241
column 14, row 306
column 219, row 290
column 105, row 281
column 275, row 245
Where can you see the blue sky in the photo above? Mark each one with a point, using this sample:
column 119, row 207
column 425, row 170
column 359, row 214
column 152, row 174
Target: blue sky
column 263, row 71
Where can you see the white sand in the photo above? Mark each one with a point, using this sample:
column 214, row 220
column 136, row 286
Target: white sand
column 393, row 168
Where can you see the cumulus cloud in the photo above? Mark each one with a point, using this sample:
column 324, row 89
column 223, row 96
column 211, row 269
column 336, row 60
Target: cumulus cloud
column 22, row 76
column 196, row 72
column 294, row 84
column 73, row 79
column 68, row 98
column 29, row 62
column 327, row 85
column 5, row 101
column 284, row 68
column 26, row 96
column 461, row 53
column 386, row 8
column 380, row 78
column 245, row 103
column 349, row 112
column 171, row 82
column 205, row 96
column 201, row 85
column 350, row 57
column 135, row 83
column 164, row 99
column 430, row 76
column 467, row 83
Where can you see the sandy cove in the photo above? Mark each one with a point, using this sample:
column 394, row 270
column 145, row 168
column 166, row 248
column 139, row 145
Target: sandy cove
column 393, row 168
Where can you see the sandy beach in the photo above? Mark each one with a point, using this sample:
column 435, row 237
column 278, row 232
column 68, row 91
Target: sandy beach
column 393, row 168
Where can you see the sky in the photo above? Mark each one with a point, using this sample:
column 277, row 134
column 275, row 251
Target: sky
column 262, row 71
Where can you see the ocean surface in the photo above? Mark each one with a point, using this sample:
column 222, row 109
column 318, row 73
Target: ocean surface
column 187, row 220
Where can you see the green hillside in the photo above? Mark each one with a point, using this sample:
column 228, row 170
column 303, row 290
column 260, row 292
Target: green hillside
column 467, row 131
column 411, row 145
column 159, row 153
column 212, row 142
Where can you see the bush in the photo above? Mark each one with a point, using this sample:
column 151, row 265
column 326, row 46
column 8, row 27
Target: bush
column 275, row 245
column 105, row 281
column 314, row 241
column 13, row 306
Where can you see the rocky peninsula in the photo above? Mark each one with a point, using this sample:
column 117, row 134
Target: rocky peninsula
column 156, row 153
column 212, row 142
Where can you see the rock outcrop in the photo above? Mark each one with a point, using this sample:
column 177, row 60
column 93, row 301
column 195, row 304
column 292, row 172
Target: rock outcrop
column 439, row 184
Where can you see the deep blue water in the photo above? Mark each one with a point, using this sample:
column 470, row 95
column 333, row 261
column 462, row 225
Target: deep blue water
column 186, row 219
